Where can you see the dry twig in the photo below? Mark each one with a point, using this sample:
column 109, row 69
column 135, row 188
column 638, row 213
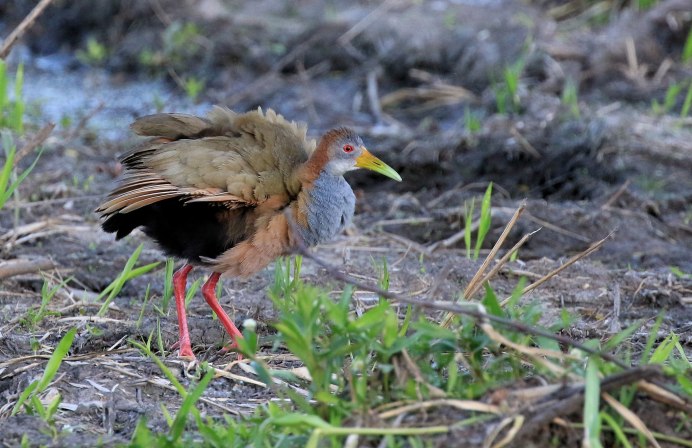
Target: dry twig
column 475, row 282
column 591, row 249
column 24, row 25
column 10, row 268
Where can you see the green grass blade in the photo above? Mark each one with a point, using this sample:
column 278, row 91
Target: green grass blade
column 517, row 292
column 491, row 303
column 187, row 405
column 56, row 359
column 159, row 338
column 686, row 50
column 5, row 195
column 10, row 151
column 167, row 285
column 687, row 103
column 662, row 353
column 468, row 221
column 128, row 273
column 142, row 436
column 24, row 396
column 653, row 334
column 144, row 306
column 164, row 369
column 592, row 421
column 51, row 369
column 617, row 429
column 191, row 291
column 4, row 99
column 620, row 337
column 17, row 114
column 296, row 419
column 484, row 225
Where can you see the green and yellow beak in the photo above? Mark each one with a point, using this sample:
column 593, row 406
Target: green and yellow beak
column 368, row 161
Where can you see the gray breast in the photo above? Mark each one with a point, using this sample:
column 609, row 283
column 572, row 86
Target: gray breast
column 332, row 203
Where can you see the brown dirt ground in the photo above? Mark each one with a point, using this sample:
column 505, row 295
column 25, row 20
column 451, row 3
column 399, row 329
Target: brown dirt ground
column 616, row 169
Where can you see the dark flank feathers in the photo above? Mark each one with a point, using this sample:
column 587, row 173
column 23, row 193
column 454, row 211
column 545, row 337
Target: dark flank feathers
column 184, row 230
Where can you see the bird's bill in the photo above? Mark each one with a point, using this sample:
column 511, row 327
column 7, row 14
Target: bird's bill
column 368, row 161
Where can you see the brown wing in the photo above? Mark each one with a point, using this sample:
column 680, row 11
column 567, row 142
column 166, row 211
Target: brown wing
column 231, row 159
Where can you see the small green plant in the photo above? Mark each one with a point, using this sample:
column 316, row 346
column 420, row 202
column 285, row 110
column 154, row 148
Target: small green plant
column 687, row 49
column 12, row 110
column 193, row 87
column 687, row 102
column 84, row 185
column 679, row 273
column 159, row 103
column 167, row 285
column 277, row 48
column 450, row 20
column 483, row 223
column 183, row 49
column 176, row 433
column 33, row 317
column 145, row 302
column 485, row 218
column 652, row 185
column 180, row 43
column 12, row 119
column 570, row 98
column 66, row 121
column 94, row 54
column 643, row 5
column 8, row 185
column 669, row 100
column 29, row 399
column 507, row 91
column 181, row 40
column 128, row 273
column 472, row 123
column 592, row 416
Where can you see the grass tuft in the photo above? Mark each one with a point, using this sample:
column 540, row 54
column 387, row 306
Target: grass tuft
column 128, row 273
column 29, row 398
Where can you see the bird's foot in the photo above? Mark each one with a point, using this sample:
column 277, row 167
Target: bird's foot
column 186, row 355
column 184, row 350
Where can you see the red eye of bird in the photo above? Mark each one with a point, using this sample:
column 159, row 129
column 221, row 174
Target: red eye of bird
column 348, row 148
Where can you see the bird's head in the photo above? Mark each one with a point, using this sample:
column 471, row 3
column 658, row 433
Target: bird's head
column 345, row 152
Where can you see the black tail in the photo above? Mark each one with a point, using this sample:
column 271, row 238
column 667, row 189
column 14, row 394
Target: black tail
column 122, row 224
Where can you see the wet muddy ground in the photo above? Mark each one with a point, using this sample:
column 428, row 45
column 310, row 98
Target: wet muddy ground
column 420, row 82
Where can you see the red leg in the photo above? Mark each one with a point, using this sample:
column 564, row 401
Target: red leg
column 179, row 286
column 209, row 293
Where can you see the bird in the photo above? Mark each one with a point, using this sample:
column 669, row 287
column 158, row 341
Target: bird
column 231, row 192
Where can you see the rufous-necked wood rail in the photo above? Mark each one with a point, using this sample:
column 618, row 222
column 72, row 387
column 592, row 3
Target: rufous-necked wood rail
column 231, row 192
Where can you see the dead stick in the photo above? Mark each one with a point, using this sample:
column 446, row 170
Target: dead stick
column 616, row 195
column 24, row 25
column 18, row 267
column 506, row 257
column 34, row 142
column 593, row 248
column 564, row 402
column 475, row 283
